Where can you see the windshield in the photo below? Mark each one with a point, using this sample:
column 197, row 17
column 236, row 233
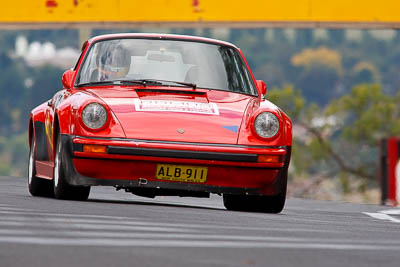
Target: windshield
column 205, row 65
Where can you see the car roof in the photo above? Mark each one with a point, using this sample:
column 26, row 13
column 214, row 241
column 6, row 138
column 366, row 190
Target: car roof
column 159, row 36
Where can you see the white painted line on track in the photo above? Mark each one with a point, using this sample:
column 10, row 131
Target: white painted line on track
column 382, row 216
column 391, row 212
column 385, row 215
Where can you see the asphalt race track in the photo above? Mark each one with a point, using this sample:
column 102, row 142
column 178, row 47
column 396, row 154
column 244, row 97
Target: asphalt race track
column 119, row 229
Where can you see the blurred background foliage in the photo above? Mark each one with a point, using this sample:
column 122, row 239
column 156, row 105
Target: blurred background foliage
column 340, row 87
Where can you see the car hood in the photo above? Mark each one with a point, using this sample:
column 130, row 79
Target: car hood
column 176, row 114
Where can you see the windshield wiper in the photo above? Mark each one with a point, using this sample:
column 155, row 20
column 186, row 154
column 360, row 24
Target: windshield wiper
column 95, row 83
column 114, row 82
column 193, row 85
column 142, row 82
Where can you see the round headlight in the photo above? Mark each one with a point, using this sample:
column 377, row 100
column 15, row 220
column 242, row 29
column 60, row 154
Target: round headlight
column 94, row 116
column 266, row 125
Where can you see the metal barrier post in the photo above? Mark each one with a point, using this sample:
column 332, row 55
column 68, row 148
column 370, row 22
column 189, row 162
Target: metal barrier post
column 390, row 171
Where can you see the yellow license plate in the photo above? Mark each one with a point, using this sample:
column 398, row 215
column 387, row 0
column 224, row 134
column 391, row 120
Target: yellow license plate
column 181, row 173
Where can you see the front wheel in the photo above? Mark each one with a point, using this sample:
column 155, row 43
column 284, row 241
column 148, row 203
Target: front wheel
column 267, row 204
column 63, row 190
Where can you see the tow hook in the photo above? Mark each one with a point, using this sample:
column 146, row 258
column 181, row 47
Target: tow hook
column 142, row 181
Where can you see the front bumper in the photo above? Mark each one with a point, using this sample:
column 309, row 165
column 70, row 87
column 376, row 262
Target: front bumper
column 130, row 163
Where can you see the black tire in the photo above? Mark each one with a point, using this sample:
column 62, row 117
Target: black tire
column 63, row 190
column 267, row 204
column 37, row 186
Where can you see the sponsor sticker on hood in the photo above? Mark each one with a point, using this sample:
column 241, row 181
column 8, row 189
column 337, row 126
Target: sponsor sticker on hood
column 176, row 106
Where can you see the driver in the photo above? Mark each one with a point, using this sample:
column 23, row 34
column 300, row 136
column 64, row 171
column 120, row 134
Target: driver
column 114, row 64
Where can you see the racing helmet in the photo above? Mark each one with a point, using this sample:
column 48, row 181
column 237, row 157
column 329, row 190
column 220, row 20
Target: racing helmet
column 115, row 62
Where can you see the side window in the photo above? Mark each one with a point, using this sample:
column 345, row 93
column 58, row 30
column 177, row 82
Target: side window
column 237, row 74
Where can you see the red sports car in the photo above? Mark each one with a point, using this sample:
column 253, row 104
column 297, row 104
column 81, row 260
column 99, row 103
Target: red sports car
column 158, row 114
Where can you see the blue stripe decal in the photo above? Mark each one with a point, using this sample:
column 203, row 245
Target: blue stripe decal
column 231, row 128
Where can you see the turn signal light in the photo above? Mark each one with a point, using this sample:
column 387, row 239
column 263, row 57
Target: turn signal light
column 270, row 158
column 94, row 149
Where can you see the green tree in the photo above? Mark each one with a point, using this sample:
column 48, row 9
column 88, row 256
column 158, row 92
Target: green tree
column 368, row 114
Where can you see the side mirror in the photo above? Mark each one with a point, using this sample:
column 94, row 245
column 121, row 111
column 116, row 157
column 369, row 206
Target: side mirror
column 68, row 79
column 262, row 87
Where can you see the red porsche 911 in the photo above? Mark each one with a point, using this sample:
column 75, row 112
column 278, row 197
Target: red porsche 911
column 158, row 114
